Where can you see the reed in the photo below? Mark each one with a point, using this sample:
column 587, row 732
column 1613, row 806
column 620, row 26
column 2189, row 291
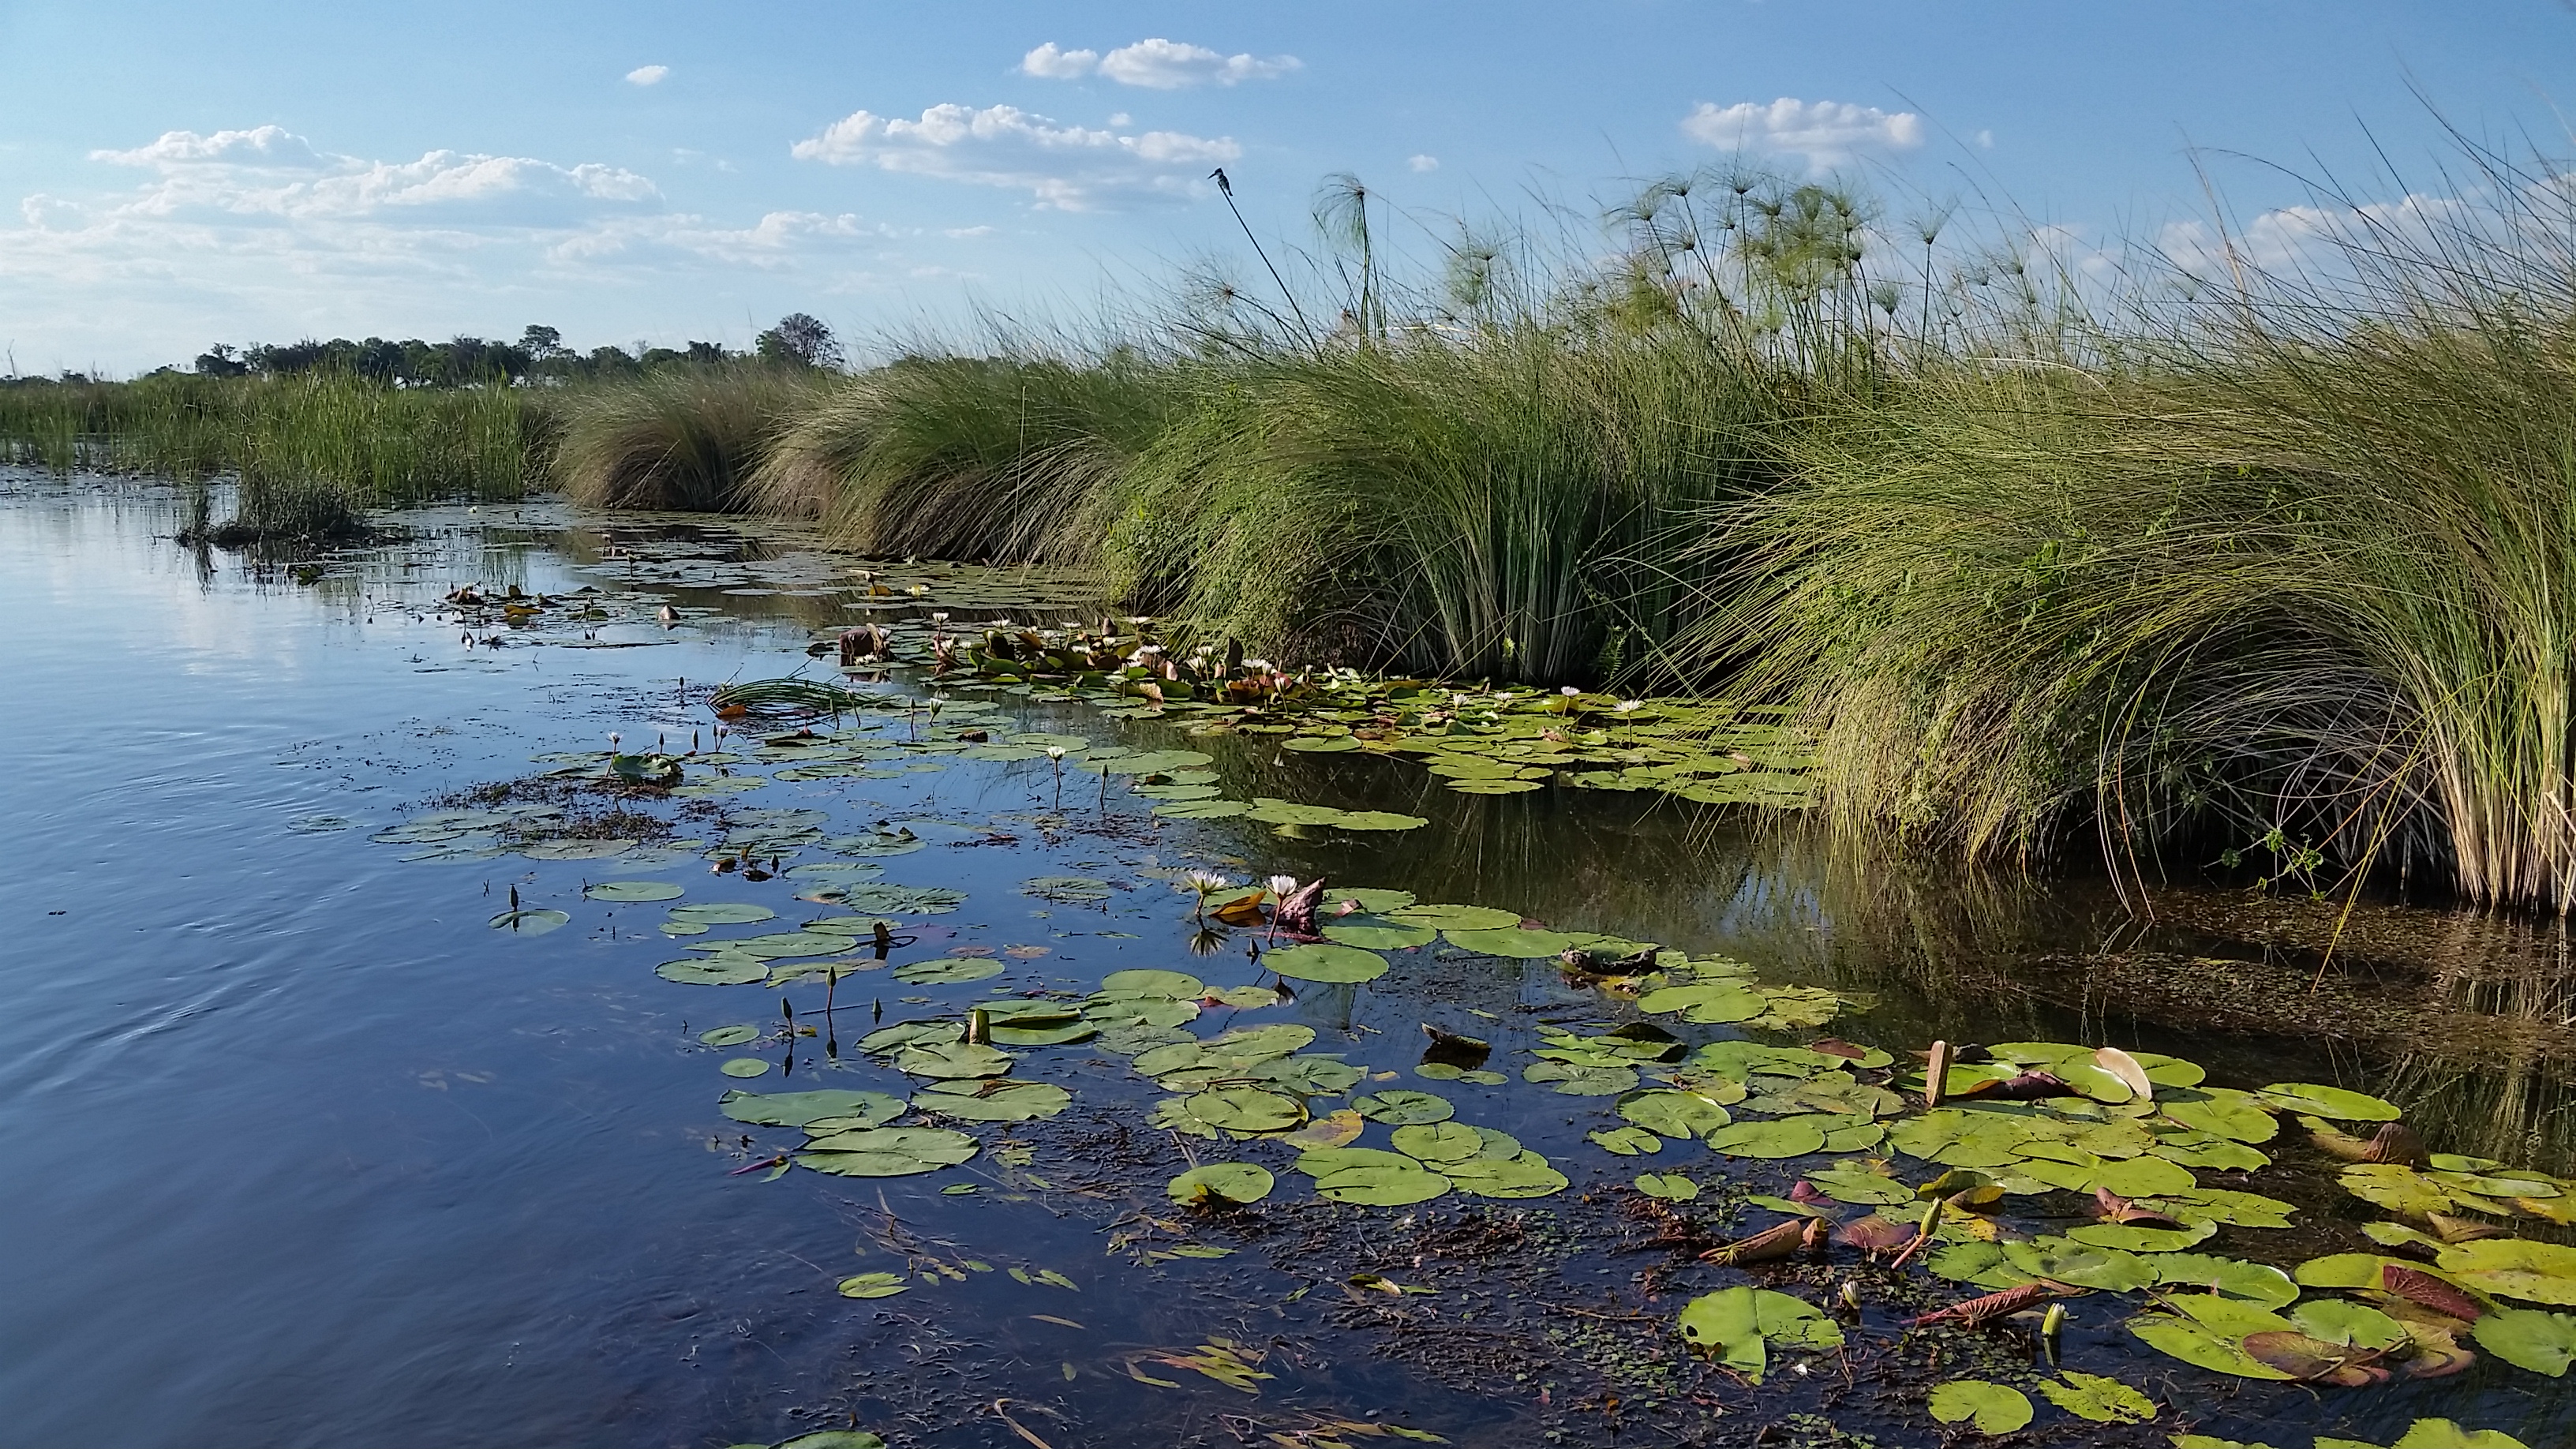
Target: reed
column 685, row 438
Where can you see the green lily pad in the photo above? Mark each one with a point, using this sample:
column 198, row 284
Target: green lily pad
column 530, row 922
column 1581, row 1081
column 1513, row 942
column 2398, row 1188
column 1707, row 1002
column 887, row 1151
column 1850, row 1182
column 1326, row 963
column 1247, row 1109
column 795, row 1109
column 1783, row 1137
column 1373, row 900
column 1402, row 1107
column 2515, row 1268
column 1460, row 918
column 1152, row 983
column 875, row 1285
column 1738, row 1325
column 1525, row 1176
column 947, row 971
column 1674, row 1113
column 2081, row 1264
column 744, row 1067
column 720, row 913
column 2544, row 1343
column 1489, row 785
column 2144, row 1177
column 1201, row 809
column 634, row 890
column 779, row 945
column 2348, row 1270
column 951, row 1060
column 722, row 968
column 2102, row 1400
column 2344, row 1322
column 1438, row 1142
column 2222, row 1111
column 1381, row 936
column 1670, row 1186
column 1221, row 1183
column 1626, row 1141
column 1382, row 1185
column 2257, row 1283
column 729, row 1035
column 2334, row 1103
column 993, row 1101
column 2220, row 1348
column 2143, row 1240
column 577, row 849
column 2446, row 1434
column 1988, row 1408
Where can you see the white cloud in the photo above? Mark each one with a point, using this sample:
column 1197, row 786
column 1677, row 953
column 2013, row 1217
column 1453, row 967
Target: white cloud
column 1826, row 133
column 1156, row 64
column 1423, row 163
column 1069, row 168
column 647, row 75
column 1056, row 64
column 263, row 147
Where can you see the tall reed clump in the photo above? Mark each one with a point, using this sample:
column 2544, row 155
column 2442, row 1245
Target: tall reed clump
column 2298, row 573
column 314, row 452
column 1507, row 504
column 996, row 459
column 687, row 438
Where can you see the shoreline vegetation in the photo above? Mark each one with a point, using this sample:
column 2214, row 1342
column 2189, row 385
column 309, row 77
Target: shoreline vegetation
column 2264, row 562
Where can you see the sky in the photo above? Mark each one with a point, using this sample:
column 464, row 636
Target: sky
column 638, row 172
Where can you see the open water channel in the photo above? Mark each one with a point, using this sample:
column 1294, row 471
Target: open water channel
column 365, row 1060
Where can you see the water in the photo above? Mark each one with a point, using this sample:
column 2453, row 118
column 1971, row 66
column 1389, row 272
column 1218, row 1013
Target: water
column 303, row 1151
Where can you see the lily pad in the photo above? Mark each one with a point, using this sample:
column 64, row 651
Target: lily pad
column 1989, row 1408
column 993, row 1101
column 2102, row 1400
column 2257, row 1283
column 1674, row 1113
column 729, row 1035
column 1403, row 1107
column 1575, row 1081
column 1525, row 1176
column 1382, row 1185
column 1326, row 963
column 1457, row 918
column 2515, row 1268
column 1738, row 1325
column 2143, row 1240
column 1670, row 1186
column 1152, row 983
column 947, row 971
column 1247, row 1109
column 720, row 913
column 1438, row 1142
column 2310, row 1099
column 721, row 969
column 795, row 1109
column 2081, row 1264
column 634, row 890
column 1707, row 1002
column 952, row 1060
column 2544, row 1343
column 1381, row 936
column 530, row 922
column 875, row 1285
column 1513, row 942
column 1784, row 1137
column 887, row 1151
column 744, row 1067
column 1220, row 1184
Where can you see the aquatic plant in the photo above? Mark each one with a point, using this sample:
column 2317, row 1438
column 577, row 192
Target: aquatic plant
column 686, row 438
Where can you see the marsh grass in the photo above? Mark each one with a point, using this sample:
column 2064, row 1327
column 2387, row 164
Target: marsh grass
column 683, row 438
column 2290, row 578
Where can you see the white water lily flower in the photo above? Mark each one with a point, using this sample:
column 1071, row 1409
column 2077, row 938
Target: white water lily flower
column 1207, row 882
column 1055, row 752
column 1283, row 886
column 1628, row 706
column 939, row 618
column 1571, row 692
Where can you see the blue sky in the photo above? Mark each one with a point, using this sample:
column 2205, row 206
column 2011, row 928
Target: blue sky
column 188, row 173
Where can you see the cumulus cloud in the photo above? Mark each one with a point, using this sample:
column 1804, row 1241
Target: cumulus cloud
column 1826, row 133
column 1423, row 163
column 1156, row 64
column 263, row 147
column 647, row 75
column 1069, row 168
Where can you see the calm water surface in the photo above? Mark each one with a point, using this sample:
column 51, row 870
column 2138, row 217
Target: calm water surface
column 300, row 1150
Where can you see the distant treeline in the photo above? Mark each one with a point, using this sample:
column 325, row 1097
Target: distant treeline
column 799, row 340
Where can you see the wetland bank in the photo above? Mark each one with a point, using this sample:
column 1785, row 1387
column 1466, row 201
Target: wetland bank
column 464, row 1075
column 1660, row 851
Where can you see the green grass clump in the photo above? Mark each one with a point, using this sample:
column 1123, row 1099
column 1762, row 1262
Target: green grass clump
column 685, row 438
column 2295, row 580
column 985, row 459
